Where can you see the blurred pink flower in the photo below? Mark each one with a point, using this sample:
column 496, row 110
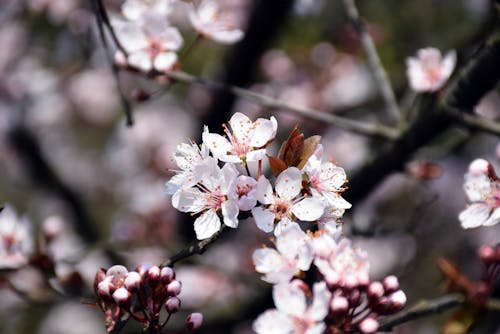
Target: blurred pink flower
column 16, row 241
column 429, row 71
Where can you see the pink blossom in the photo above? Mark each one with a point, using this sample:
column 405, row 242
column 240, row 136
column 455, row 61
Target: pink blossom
column 213, row 23
column 16, row 242
column 482, row 188
column 294, row 313
column 429, row 71
column 292, row 254
column 243, row 191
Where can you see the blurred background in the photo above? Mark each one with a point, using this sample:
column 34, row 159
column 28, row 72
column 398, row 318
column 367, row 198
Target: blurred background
column 67, row 155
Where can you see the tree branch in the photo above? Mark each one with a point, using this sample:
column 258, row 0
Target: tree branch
column 379, row 73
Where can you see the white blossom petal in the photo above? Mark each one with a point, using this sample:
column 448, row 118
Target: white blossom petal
column 308, row 209
column 264, row 219
column 207, row 224
column 230, row 213
column 273, row 322
column 289, row 183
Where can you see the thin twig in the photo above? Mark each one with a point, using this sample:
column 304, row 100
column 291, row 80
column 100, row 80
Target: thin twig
column 197, row 248
column 363, row 128
column 383, row 82
column 475, row 122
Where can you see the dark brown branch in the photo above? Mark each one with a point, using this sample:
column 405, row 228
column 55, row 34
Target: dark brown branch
column 195, row 249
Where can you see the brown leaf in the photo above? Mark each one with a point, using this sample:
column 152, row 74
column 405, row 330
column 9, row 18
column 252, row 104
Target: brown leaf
column 292, row 148
column 457, row 282
column 310, row 145
column 277, row 165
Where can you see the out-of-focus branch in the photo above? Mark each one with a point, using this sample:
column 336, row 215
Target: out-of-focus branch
column 383, row 82
column 429, row 307
column 194, row 249
column 363, row 128
column 26, row 145
column 475, row 122
column 102, row 20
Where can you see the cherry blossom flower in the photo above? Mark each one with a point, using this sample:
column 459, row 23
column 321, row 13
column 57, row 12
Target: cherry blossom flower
column 245, row 141
column 293, row 253
column 482, row 188
column 15, row 239
column 339, row 262
column 285, row 205
column 243, row 191
column 209, row 196
column 294, row 313
column 429, row 71
column 186, row 156
column 211, row 22
column 325, row 180
column 150, row 44
column 136, row 10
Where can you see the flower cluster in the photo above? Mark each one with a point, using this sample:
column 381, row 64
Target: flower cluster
column 151, row 42
column 307, row 187
column 344, row 300
column 141, row 294
column 482, row 187
column 429, row 71
column 16, row 241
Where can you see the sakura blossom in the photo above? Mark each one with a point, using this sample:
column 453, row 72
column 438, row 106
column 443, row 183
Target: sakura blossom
column 150, row 44
column 295, row 312
column 243, row 191
column 429, row 71
column 186, row 156
column 211, row 22
column 285, row 205
column 482, row 188
column 16, row 243
column 325, row 180
column 209, row 197
column 293, row 253
column 246, row 140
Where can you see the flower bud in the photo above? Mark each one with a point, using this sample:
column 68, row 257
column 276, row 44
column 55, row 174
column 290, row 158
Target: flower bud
column 350, row 282
column 339, row 307
column 391, row 283
column 363, row 280
column 375, row 290
column 133, row 281
column 332, row 280
column 173, row 288
column 122, row 298
column 479, row 167
column 368, row 326
column 105, row 288
column 52, row 228
column 398, row 300
column 142, row 269
column 487, row 254
column 173, row 304
column 153, row 276
column 194, row 321
column 167, row 274
column 100, row 275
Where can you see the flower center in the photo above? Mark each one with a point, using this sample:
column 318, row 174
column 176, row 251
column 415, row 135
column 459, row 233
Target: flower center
column 281, row 208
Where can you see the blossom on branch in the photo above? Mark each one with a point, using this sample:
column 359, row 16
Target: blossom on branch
column 482, row 187
column 211, row 22
column 429, row 71
column 138, row 10
column 16, row 243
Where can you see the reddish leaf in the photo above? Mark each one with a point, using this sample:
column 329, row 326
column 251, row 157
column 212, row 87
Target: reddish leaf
column 310, row 145
column 277, row 165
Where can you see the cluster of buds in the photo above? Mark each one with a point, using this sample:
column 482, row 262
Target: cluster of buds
column 356, row 307
column 141, row 294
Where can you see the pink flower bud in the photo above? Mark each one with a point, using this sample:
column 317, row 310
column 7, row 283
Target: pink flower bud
column 368, row 326
column 52, row 228
column 100, row 275
column 154, row 276
column 398, row 300
column 122, row 297
column 332, row 280
column 487, row 254
column 479, row 167
column 173, row 304
column 194, row 321
column 391, row 283
column 105, row 288
column 375, row 290
column 167, row 274
column 339, row 307
column 350, row 282
column 363, row 279
column 173, row 288
column 142, row 269
column 133, row 281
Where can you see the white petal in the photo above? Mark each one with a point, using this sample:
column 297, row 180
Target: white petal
column 288, row 241
column 241, row 126
column 264, row 132
column 264, row 191
column 494, row 218
column 282, row 225
column 264, row 219
column 225, row 36
column 289, row 183
column 207, row 224
column 230, row 213
column 140, row 59
column 273, row 322
column 318, row 328
column 475, row 215
column 256, row 155
column 289, row 299
column 321, row 300
column 165, row 61
column 308, row 209
column 216, row 143
column 171, row 39
column 188, row 200
column 266, row 260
